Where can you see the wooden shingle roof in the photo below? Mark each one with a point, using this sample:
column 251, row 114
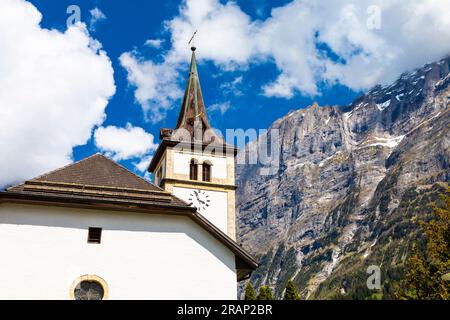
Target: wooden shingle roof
column 97, row 170
column 98, row 177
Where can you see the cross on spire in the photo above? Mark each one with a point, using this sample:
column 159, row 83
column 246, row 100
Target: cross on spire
column 192, row 40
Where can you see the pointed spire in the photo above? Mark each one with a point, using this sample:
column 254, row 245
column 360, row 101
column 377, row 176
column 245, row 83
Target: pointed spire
column 193, row 111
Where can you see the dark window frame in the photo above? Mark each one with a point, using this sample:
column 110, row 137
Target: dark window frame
column 159, row 176
column 94, row 235
column 206, row 172
column 193, row 170
column 90, row 285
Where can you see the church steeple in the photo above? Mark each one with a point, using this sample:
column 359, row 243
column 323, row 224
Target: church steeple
column 192, row 108
column 193, row 116
column 194, row 163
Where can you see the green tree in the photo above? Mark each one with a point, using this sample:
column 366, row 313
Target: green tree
column 250, row 293
column 265, row 293
column 425, row 268
column 291, row 292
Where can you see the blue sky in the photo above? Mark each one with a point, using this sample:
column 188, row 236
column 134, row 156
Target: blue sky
column 129, row 24
column 65, row 97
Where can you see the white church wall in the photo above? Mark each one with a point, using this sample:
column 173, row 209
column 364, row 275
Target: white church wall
column 217, row 212
column 141, row 256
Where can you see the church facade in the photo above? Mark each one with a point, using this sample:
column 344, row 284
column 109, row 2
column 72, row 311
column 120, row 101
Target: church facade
column 95, row 230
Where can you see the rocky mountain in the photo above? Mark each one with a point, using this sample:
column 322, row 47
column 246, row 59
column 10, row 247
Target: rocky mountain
column 350, row 187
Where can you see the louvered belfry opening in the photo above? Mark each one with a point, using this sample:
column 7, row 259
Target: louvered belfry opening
column 193, row 170
column 206, row 172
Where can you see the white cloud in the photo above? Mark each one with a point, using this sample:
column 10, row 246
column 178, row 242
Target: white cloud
column 224, row 32
column 54, row 90
column 124, row 143
column 143, row 164
column 96, row 16
column 232, row 87
column 154, row 43
column 156, row 85
column 411, row 34
column 221, row 107
column 282, row 87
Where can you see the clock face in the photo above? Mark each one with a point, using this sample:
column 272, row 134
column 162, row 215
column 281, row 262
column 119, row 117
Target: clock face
column 200, row 200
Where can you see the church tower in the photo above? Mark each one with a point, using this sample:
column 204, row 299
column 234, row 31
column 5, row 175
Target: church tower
column 194, row 163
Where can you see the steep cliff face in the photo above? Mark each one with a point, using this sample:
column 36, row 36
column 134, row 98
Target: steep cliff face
column 342, row 174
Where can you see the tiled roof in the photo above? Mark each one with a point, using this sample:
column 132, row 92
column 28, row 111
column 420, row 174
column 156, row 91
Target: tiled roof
column 98, row 177
column 100, row 171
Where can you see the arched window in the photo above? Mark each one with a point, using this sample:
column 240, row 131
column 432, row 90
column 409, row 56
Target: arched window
column 206, row 171
column 89, row 287
column 193, row 170
column 89, row 290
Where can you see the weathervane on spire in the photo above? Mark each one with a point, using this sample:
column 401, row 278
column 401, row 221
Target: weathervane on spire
column 192, row 40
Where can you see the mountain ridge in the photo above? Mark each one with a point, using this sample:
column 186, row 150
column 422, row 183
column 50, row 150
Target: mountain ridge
column 339, row 167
